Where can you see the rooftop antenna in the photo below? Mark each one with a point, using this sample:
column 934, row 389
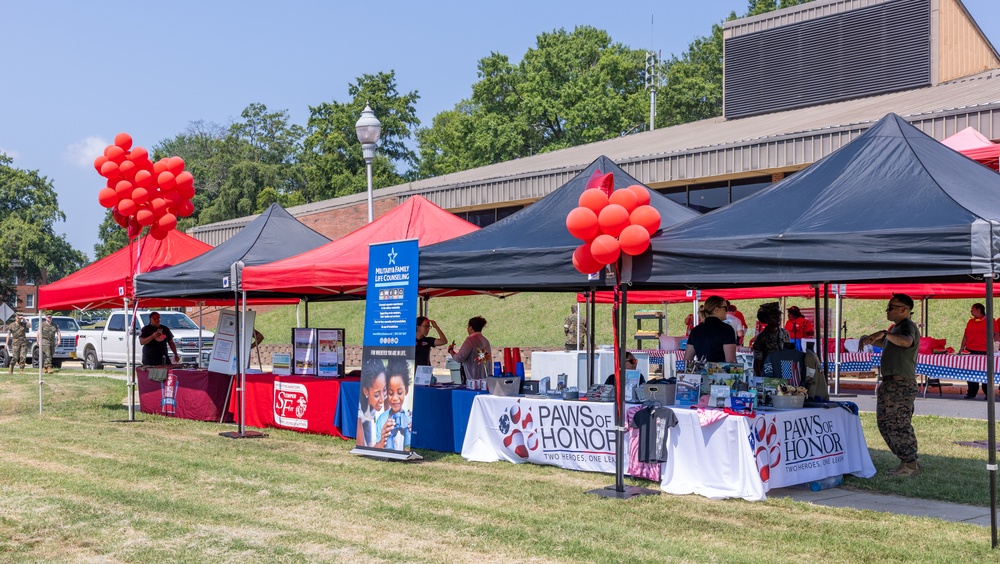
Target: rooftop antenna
column 653, row 75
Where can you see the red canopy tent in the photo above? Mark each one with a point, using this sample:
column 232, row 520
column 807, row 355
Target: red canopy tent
column 976, row 146
column 340, row 268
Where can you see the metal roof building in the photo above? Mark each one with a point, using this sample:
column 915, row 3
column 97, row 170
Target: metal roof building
column 712, row 162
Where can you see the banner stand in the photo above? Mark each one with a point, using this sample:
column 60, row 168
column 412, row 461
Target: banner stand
column 386, row 455
column 241, row 433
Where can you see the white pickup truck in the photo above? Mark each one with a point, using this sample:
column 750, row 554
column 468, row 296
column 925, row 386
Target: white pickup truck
column 65, row 348
column 97, row 347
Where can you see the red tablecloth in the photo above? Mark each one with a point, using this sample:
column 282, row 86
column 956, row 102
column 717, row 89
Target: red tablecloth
column 300, row 403
column 189, row 394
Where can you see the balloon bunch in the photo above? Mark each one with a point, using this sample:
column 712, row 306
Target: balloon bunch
column 611, row 225
column 142, row 193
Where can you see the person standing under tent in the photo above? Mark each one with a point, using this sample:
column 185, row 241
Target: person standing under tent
column 712, row 339
column 50, row 336
column 17, row 341
column 974, row 342
column 422, row 354
column 798, row 326
column 736, row 322
column 576, row 335
column 475, row 353
column 155, row 339
column 898, row 391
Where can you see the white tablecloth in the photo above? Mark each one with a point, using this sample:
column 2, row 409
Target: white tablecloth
column 733, row 457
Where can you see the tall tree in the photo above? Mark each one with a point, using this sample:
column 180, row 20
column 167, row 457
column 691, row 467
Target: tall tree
column 334, row 162
column 29, row 209
column 570, row 89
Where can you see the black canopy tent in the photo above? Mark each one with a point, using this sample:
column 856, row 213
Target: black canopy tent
column 274, row 235
column 894, row 204
column 535, row 240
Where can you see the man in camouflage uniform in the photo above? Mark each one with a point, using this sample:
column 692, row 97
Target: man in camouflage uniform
column 50, row 336
column 571, row 330
column 17, row 341
column 898, row 391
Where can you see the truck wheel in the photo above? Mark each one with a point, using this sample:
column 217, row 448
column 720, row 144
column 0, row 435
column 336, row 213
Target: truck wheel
column 34, row 357
column 4, row 358
column 90, row 361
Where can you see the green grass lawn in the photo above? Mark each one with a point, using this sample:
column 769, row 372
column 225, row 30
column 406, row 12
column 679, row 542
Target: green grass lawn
column 76, row 486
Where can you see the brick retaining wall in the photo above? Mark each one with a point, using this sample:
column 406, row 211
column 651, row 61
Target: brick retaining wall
column 353, row 353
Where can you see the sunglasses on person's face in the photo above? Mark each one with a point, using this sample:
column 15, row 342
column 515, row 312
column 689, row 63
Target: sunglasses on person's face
column 892, row 307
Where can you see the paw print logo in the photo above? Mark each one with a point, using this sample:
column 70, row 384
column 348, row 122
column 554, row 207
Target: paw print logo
column 518, row 428
column 768, row 446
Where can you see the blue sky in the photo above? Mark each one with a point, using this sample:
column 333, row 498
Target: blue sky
column 80, row 72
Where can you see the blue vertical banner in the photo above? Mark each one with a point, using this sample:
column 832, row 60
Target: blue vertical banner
column 385, row 410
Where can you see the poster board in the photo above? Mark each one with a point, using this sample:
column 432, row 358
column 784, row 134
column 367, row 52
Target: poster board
column 305, row 350
column 281, row 364
column 330, row 359
column 224, row 346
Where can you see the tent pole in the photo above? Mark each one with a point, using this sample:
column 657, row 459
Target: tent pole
column 306, row 301
column 241, row 373
column 816, row 331
column 826, row 328
column 620, row 394
column 591, row 346
column 578, row 329
column 38, row 357
column 839, row 303
column 925, row 315
column 991, row 410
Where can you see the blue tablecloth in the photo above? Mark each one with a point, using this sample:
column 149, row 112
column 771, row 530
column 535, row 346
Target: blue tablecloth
column 440, row 416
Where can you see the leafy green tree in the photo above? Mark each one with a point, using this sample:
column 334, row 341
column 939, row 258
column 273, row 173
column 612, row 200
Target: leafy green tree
column 570, row 89
column 334, row 162
column 28, row 211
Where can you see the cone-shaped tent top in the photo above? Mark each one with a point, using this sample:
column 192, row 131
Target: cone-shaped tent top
column 104, row 283
column 530, row 250
column 274, row 235
column 892, row 204
column 339, row 269
column 976, row 146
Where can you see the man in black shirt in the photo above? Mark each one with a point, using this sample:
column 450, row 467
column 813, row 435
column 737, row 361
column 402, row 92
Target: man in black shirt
column 154, row 339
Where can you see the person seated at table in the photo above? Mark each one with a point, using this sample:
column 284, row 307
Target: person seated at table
column 713, row 339
column 631, row 363
column 372, row 401
column 772, row 337
column 425, row 342
column 396, row 421
column 155, row 339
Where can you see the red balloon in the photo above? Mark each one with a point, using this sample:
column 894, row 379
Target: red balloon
column 158, row 205
column 143, row 178
column 109, row 169
column 138, row 154
column 175, row 165
column 173, row 198
column 140, row 196
column 157, row 234
column 584, row 261
column 107, row 197
column 159, row 166
column 625, row 198
column 641, row 193
column 596, row 200
column 185, row 208
column 134, row 229
column 115, row 153
column 582, row 223
column 167, row 222
column 144, row 216
column 123, row 140
column 165, row 180
column 127, row 169
column 124, row 190
column 112, row 182
column 647, row 217
column 612, row 220
column 605, row 249
column 99, row 162
column 634, row 240
column 186, row 191
column 126, row 207
column 118, row 218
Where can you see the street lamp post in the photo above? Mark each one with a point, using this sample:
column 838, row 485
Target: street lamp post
column 368, row 128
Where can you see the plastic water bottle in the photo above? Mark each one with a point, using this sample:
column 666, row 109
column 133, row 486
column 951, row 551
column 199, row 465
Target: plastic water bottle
column 826, row 483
